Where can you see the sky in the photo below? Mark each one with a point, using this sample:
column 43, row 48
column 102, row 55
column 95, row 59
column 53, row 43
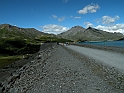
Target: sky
column 57, row 16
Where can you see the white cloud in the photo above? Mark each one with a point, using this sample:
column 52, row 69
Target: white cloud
column 108, row 24
column 65, row 1
column 88, row 24
column 92, row 8
column 114, row 28
column 54, row 16
column 77, row 17
column 54, row 29
column 108, row 19
column 60, row 19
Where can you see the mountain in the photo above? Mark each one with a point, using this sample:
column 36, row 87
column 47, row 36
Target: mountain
column 8, row 31
column 73, row 33
column 79, row 33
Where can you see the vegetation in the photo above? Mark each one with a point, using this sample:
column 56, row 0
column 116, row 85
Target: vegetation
column 6, row 60
column 121, row 39
column 51, row 39
column 12, row 49
column 17, row 46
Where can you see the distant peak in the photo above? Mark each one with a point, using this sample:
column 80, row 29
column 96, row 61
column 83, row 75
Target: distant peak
column 89, row 28
column 77, row 26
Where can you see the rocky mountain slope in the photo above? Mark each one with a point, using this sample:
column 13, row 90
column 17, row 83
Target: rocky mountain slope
column 79, row 33
column 7, row 31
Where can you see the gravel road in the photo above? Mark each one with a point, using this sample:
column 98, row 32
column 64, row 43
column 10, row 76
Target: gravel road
column 113, row 59
column 61, row 71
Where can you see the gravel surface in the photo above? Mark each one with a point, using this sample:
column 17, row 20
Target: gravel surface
column 113, row 59
column 58, row 70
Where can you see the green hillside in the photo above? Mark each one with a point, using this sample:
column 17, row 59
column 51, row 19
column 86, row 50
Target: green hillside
column 9, row 31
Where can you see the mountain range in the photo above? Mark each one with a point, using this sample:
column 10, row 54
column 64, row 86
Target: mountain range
column 78, row 33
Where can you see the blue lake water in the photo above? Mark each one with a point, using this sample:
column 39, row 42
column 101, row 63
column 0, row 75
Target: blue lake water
column 107, row 43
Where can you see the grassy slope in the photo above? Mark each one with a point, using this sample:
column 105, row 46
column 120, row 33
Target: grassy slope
column 6, row 60
column 12, row 50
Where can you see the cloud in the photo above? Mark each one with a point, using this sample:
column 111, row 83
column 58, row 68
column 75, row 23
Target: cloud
column 92, row 8
column 114, row 28
column 60, row 19
column 77, row 17
column 54, row 16
column 54, row 29
column 108, row 25
column 108, row 19
column 65, row 1
column 88, row 24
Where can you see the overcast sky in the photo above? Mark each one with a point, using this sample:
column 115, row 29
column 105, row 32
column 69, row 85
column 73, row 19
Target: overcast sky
column 56, row 16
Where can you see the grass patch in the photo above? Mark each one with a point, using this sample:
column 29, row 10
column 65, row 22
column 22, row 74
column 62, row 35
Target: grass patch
column 7, row 60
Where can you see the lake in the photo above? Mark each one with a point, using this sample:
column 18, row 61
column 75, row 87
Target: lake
column 106, row 43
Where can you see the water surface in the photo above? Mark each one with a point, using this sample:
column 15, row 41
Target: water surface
column 106, row 43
